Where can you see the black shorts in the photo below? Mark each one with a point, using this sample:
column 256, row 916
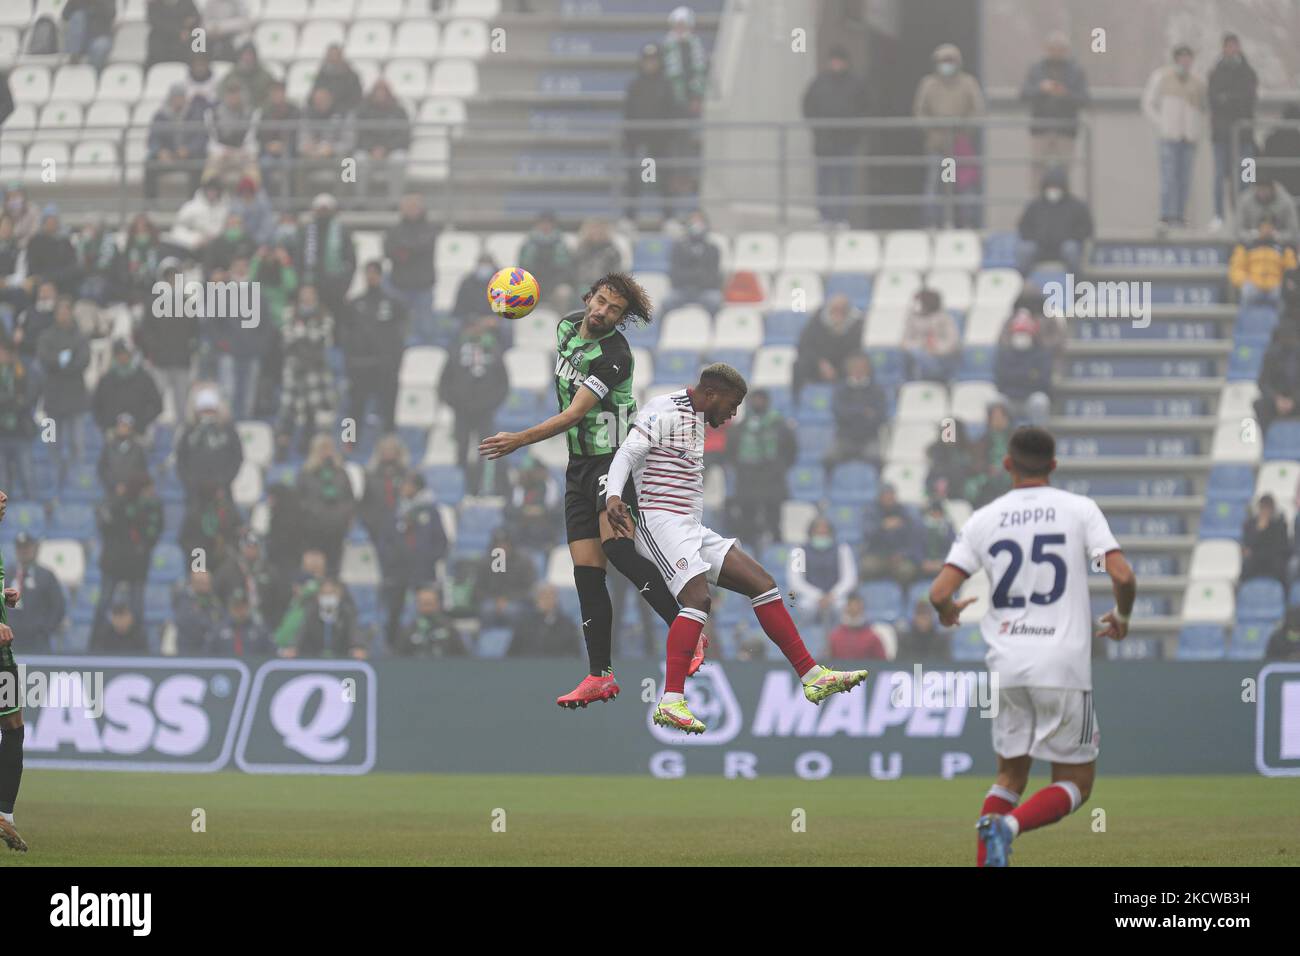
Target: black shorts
column 584, row 496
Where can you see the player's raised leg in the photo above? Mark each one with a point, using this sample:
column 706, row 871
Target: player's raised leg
column 742, row 574
column 683, row 635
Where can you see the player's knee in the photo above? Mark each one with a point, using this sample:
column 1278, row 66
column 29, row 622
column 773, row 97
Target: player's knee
column 695, row 595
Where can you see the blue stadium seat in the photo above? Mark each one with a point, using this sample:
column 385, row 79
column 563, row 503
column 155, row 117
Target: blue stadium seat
column 739, row 359
column 652, row 254
column 519, row 411
column 1040, row 278
column 807, row 482
column 1000, row 250
column 415, row 440
column 494, row 642
column 884, row 600
column 781, row 398
column 1248, row 642
column 1282, row 441
column 783, row 327
column 1293, row 593
column 1230, row 483
column 639, row 335
column 776, row 557
column 1260, row 600
column 854, row 482
column 567, row 600
column 889, row 366
column 976, row 364
column 1256, row 321
column 83, row 484
column 167, row 565
column 72, row 519
column 814, row 406
column 447, row 483
column 847, row 521
column 1201, row 642
column 919, row 591
column 1223, row 519
column 675, row 367
column 815, row 442
column 1244, row 363
column 22, row 516
column 157, row 603
column 967, row 642
column 855, row 285
column 474, row 527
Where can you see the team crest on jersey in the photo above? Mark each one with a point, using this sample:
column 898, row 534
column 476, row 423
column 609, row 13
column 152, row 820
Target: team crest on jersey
column 681, row 563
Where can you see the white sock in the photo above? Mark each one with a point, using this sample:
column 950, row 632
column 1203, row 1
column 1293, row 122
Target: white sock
column 671, row 698
column 1012, row 824
column 9, row 817
column 814, row 672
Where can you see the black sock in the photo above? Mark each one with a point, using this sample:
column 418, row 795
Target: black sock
column 641, row 571
column 597, row 618
column 11, row 767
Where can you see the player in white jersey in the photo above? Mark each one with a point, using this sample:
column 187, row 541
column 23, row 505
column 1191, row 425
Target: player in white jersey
column 664, row 454
column 1037, row 543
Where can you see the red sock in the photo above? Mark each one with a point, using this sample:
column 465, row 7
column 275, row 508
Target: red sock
column 1047, row 806
column 771, row 613
column 999, row 800
column 683, row 635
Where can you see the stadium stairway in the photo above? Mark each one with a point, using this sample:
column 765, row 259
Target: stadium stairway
column 1137, row 415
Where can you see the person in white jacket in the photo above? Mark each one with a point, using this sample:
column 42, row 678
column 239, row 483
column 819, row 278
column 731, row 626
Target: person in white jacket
column 1174, row 102
column 822, row 573
column 203, row 218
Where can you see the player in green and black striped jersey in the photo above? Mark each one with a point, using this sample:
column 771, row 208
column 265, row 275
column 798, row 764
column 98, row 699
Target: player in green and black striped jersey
column 593, row 385
column 11, row 714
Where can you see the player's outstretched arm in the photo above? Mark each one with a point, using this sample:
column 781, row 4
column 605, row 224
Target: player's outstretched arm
column 946, row 584
column 1114, row 623
column 503, row 443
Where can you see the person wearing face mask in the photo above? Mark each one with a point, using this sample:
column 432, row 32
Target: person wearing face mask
column 650, row 98
column 822, row 573
column 828, row 339
column 1267, row 201
column 410, row 246
column 330, row 627
column 949, row 93
column 931, row 339
column 1232, row 89
column 835, row 94
column 1023, row 369
column 1174, row 102
column 126, row 387
column 26, row 219
column 853, row 639
column 1055, row 88
column 1053, row 226
column 695, row 268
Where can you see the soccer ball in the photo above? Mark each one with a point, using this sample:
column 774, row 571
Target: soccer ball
column 513, row 293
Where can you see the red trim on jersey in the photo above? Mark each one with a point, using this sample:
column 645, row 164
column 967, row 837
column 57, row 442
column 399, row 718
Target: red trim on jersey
column 641, row 507
column 657, row 495
column 964, row 572
column 677, row 477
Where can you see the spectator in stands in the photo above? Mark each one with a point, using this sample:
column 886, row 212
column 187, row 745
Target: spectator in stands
column 307, row 579
column 1055, row 88
column 504, row 581
column 166, row 342
column 760, row 449
column 546, row 255
column 1279, row 377
column 1055, row 225
column 1256, row 268
column 389, row 466
column 1280, row 160
column 1231, row 92
column 949, row 93
column 374, row 340
column 123, row 458
column 860, row 408
column 242, row 632
column 1267, row 200
column 14, row 296
column 198, row 613
column 470, row 300
column 326, row 135
column 43, row 606
column 384, row 133
column 923, row 640
column 410, row 247
column 126, row 387
column 327, row 257
column 548, row 631
column 201, row 81
column 228, row 26
column 124, row 633
column 27, row 220
column 170, row 26
column 1284, row 642
column 835, row 94
column 178, row 141
column 474, row 382
column 822, row 573
column 272, row 268
column 50, row 254
column 1174, row 102
column 695, row 268
column 431, row 633
column 34, row 320
column 251, row 205
column 326, row 499
column 64, row 354
column 988, row 478
column 931, row 339
column 307, row 392
column 248, row 73
column 277, row 139
column 420, row 542
column 20, row 390
column 232, row 137
column 89, row 32
column 330, row 627
column 130, row 525
column 686, row 66
column 936, row 537
column 853, row 638
column 950, row 462
column 247, row 571
column 338, row 77
column 1265, row 544
column 533, row 508
column 828, row 339
column 893, row 542
column 99, row 260
column 1023, row 370
column 596, row 255
column 202, row 219
column 209, row 452
column 650, row 99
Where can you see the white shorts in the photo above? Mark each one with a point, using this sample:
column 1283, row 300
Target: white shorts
column 680, row 547
column 1047, row 723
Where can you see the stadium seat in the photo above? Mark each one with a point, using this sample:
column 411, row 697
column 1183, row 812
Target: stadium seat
column 889, row 366
column 246, row 490
column 738, row 327
column 422, row 366
column 1215, row 560
column 371, row 39
column 998, row 288
column 72, row 520
column 910, row 441
column 504, row 247
column 744, row 286
column 924, row 402
column 814, row 407
column 74, row 84
column 415, row 38
column 853, row 483
column 1282, row 441
column 31, row 84
column 20, row 128
column 1201, row 642
column 957, row 249
column 907, row 250
column 800, row 291
column 1237, row 482
column 295, row 10
column 1248, row 642
column 465, row 38
column 409, row 78
column 559, row 568
column 1281, row 479
column 59, row 120
column 687, row 328
column 454, row 78
column 1260, row 600
column 807, row 251
column 16, row 13
column 675, row 369
column 856, row 286
column 1000, row 250
column 493, row 643
column 907, row 479
column 276, row 40
column 1244, row 362
column 968, row 645
column 94, row 161
column 66, row 558
column 796, row 516
column 1210, row 602
column 894, row 287
column 971, row 400
column 415, row 407
column 884, row 601
column 856, row 251
column 953, row 286
column 448, row 110
column 1228, row 447
column 1223, row 519
column 536, row 330
column 457, row 250
column 773, row 366
column 756, row 252
column 1237, row 401
column 1256, row 322
column 807, row 483
column 884, row 326
column 742, row 360
column 106, row 116
column 11, row 154
column 121, row 83
column 447, row 482
column 481, row 9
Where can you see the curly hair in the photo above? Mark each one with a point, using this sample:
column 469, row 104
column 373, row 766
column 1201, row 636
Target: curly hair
column 625, row 286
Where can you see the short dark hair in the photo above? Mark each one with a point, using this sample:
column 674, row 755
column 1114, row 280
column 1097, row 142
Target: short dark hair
column 1032, row 450
column 622, row 283
column 1181, row 49
column 724, row 378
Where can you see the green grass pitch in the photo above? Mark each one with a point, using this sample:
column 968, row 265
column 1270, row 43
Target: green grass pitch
column 86, row 819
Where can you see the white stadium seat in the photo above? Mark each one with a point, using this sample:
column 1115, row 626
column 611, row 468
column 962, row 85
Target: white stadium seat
column 998, row 287
column 958, row 249
column 422, row 366
column 537, row 329
column 454, row 78
column 16, row 13
column 1279, row 479
column 910, row 441
column 276, row 40
column 408, row 78
column 300, row 79
column 295, row 10
column 1209, row 602
column 526, row 368
column 360, row 565
column 895, row 287
column 1229, row 447
column 1237, row 401
column 953, row 286
column 76, row 84
column 415, row 38
column 773, row 366
column 95, row 161
column 11, row 155
column 444, row 109
column 467, row 38
column 923, row 402
column 40, row 153
column 807, row 250
column 856, row 250
column 30, row 84
column 798, row 290
column 317, row 36
column 333, row 9
column 984, row 324
column 756, row 252
column 908, row 479
column 483, row 9
column 504, row 247
column 559, row 567
column 246, row 489
column 457, row 250
column 1215, row 560
column 369, row 38
column 21, row 125
column 258, row 442
column 66, row 558
column 121, row 82
column 107, row 116
column 130, row 43
column 657, row 286
column 60, row 120
column 10, row 44
column 689, row 328
column 356, row 478
column 429, row 159
column 971, row 401
column 415, row 407
column 907, row 249
column 884, row 326
column 738, row 327
column 161, row 78
column 384, row 9
column 796, row 516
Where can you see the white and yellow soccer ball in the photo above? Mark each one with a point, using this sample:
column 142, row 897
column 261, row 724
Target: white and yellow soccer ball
column 513, row 293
